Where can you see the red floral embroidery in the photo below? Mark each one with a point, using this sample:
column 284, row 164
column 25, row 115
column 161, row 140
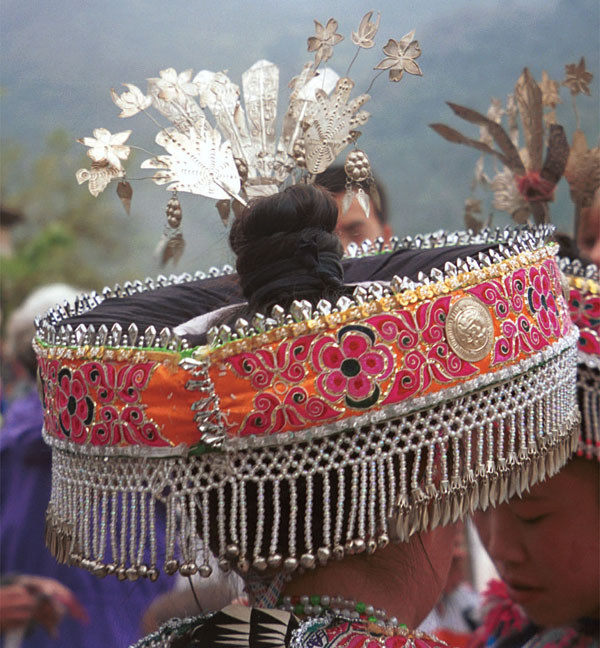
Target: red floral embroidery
column 101, row 398
column 264, row 366
column 521, row 336
column 48, row 373
column 124, row 383
column 585, row 313
column 423, row 363
column 358, row 634
column 399, row 642
column 270, row 414
column 541, row 301
column 352, row 366
column 349, row 635
column 127, row 426
column 75, row 407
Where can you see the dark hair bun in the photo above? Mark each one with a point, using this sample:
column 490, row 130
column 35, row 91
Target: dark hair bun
column 274, row 237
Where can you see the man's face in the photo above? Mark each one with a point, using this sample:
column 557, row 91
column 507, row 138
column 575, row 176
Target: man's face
column 546, row 545
column 354, row 226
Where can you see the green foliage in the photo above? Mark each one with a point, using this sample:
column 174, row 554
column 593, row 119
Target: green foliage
column 67, row 235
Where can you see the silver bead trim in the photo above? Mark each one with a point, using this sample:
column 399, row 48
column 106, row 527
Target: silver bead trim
column 535, row 235
column 50, row 331
column 89, row 491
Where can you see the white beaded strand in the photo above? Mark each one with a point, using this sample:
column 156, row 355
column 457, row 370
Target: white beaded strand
column 308, row 510
column 339, row 516
column 260, row 522
column 276, row 520
column 326, row 510
column 353, row 504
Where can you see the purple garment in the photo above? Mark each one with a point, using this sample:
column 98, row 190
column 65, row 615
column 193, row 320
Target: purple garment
column 115, row 609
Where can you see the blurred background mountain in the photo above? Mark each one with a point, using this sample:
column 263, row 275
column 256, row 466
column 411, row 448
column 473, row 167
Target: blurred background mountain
column 60, row 59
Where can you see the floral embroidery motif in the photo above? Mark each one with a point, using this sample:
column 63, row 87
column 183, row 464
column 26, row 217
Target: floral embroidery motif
column 124, row 383
column 47, row 379
column 336, row 633
column 99, row 403
column 75, row 407
column 352, row 366
column 270, row 414
column 127, row 426
column 427, row 356
column 541, row 301
column 519, row 334
column 585, row 313
column 264, row 366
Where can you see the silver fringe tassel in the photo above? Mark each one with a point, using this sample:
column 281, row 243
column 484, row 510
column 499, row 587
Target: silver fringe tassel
column 311, row 501
column 588, row 384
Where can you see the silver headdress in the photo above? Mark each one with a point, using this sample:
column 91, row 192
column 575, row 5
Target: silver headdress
column 313, row 433
column 523, row 185
column 583, row 288
column 306, row 434
column 227, row 151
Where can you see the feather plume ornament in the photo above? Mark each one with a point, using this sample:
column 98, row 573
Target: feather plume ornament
column 524, row 178
column 222, row 141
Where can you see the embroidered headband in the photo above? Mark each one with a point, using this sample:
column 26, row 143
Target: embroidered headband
column 584, row 305
column 312, row 433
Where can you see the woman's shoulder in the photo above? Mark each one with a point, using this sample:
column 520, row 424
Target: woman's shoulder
column 249, row 627
column 331, row 631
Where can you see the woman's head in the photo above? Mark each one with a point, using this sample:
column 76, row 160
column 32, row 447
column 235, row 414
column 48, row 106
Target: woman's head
column 286, row 248
column 546, row 546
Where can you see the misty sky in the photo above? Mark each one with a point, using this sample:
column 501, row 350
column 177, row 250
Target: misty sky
column 60, row 59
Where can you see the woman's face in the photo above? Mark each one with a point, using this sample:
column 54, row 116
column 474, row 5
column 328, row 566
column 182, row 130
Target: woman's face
column 546, row 545
column 588, row 232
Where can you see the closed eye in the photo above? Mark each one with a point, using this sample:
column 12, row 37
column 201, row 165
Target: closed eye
column 531, row 520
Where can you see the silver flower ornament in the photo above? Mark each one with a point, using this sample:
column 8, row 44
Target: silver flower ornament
column 506, row 194
column 105, row 146
column 324, row 40
column 132, row 101
column 173, row 86
column 578, row 78
column 400, row 57
column 366, row 31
